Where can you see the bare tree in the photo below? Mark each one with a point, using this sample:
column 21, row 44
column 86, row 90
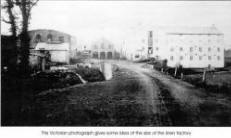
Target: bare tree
column 9, row 5
column 12, row 20
column 25, row 7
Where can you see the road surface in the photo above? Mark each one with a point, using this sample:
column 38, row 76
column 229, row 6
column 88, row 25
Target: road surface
column 136, row 96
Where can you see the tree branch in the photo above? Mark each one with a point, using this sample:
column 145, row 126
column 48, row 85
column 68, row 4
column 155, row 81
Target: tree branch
column 6, row 21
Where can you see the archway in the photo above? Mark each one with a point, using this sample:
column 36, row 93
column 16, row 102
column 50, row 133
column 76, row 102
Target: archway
column 37, row 38
column 109, row 55
column 102, row 55
column 95, row 55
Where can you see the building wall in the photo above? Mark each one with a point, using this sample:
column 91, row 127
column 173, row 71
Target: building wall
column 54, row 37
column 59, row 56
column 139, row 55
column 190, row 50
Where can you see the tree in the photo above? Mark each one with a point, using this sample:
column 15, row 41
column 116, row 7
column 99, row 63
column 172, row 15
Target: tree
column 9, row 6
column 25, row 7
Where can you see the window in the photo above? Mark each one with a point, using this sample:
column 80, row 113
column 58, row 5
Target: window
column 209, row 57
column 172, row 49
column 150, row 34
column 218, row 58
column 171, row 58
column 200, row 49
column 38, row 38
column 157, row 48
column 218, row 49
column 200, row 57
column 181, row 49
column 191, row 49
column 49, row 37
column 61, row 39
column 181, row 57
column 209, row 49
column 191, row 57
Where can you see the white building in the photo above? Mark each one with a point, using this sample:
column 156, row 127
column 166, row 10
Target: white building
column 140, row 54
column 57, row 43
column 60, row 53
column 191, row 47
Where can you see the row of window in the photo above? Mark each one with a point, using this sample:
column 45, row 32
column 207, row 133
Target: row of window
column 38, row 38
column 209, row 40
column 191, row 58
column 191, row 49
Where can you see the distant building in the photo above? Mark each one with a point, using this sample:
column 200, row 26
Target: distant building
column 58, row 44
column 103, row 49
column 191, row 47
column 140, row 54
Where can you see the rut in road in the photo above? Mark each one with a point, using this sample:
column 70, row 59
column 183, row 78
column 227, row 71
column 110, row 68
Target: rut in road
column 161, row 115
column 155, row 99
column 177, row 114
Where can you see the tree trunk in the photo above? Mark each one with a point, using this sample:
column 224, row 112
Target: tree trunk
column 204, row 76
column 13, row 29
column 25, row 45
column 25, row 40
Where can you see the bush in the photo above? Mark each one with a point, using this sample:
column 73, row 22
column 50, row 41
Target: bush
column 56, row 79
column 90, row 74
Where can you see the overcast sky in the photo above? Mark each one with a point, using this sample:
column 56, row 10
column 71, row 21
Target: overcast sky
column 117, row 20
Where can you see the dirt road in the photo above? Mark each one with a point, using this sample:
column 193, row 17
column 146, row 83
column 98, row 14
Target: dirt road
column 135, row 96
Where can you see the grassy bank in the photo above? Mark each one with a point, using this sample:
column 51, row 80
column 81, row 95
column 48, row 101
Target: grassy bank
column 219, row 82
column 19, row 94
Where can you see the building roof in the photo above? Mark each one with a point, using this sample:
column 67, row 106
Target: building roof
column 52, row 46
column 101, row 42
column 191, row 30
column 47, row 30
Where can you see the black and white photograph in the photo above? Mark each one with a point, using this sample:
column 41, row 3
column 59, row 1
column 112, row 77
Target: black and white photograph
column 115, row 63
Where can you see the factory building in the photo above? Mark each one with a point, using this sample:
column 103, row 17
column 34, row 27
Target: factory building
column 191, row 47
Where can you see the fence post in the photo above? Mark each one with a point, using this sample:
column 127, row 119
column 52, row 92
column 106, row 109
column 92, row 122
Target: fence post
column 175, row 72
column 182, row 75
column 204, row 75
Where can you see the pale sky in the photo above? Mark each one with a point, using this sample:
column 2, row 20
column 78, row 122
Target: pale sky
column 127, row 20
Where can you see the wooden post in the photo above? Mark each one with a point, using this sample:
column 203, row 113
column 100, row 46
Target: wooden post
column 182, row 75
column 204, row 75
column 43, row 63
column 175, row 72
